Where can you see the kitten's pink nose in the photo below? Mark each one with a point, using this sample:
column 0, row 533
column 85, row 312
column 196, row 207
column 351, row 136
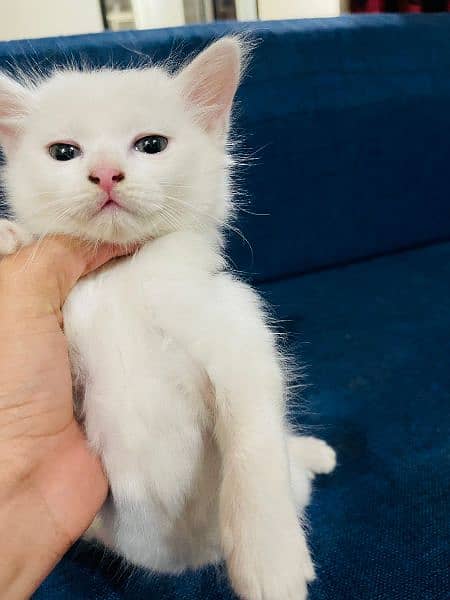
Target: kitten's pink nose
column 106, row 177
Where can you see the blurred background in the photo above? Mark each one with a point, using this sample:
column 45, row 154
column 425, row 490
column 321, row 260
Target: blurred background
column 41, row 18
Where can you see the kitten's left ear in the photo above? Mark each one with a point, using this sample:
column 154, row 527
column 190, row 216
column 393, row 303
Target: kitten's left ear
column 210, row 81
column 14, row 104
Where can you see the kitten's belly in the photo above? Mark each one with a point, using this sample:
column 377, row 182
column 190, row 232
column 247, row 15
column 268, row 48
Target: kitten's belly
column 146, row 413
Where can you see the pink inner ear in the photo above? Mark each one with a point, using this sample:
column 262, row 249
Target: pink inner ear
column 8, row 127
column 215, row 95
column 210, row 83
column 13, row 102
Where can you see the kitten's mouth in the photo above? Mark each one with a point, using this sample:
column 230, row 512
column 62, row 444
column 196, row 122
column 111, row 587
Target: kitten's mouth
column 111, row 203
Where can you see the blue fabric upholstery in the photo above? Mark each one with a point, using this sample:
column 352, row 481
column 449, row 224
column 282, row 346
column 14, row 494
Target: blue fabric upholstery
column 339, row 115
column 348, row 121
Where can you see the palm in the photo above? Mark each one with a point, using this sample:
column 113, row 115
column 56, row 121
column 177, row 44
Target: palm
column 37, row 415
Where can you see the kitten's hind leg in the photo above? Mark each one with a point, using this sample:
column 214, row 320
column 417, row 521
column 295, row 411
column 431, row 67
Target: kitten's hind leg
column 12, row 237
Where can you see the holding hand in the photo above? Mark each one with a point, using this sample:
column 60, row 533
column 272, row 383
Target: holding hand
column 51, row 485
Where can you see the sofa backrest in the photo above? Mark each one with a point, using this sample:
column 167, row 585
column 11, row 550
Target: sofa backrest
column 345, row 126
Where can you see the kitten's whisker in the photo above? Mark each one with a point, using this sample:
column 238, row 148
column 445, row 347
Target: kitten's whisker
column 218, row 222
column 51, row 228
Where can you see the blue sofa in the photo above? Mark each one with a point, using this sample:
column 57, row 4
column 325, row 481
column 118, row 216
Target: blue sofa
column 347, row 123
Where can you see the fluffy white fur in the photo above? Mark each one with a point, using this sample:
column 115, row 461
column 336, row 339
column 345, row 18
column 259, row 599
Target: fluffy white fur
column 181, row 385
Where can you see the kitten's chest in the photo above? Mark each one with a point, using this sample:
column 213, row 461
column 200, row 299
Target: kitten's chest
column 134, row 327
column 137, row 373
column 163, row 286
column 132, row 299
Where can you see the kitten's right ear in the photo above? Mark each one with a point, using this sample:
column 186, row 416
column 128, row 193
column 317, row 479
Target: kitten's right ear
column 209, row 82
column 15, row 101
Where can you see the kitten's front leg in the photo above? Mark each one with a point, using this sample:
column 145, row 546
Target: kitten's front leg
column 264, row 544
column 263, row 541
column 12, row 237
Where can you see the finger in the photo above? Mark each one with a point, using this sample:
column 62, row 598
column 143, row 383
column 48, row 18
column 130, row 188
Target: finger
column 48, row 271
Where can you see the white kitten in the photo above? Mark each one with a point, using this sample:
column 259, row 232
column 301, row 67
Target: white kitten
column 183, row 393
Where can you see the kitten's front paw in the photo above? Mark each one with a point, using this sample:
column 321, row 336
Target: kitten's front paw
column 12, row 237
column 277, row 570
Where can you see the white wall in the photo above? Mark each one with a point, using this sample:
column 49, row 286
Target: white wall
column 297, row 9
column 158, row 13
column 246, row 10
column 41, row 18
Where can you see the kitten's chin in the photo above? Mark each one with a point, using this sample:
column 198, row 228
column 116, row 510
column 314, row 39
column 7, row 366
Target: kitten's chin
column 110, row 234
column 123, row 227
column 108, row 226
column 117, row 236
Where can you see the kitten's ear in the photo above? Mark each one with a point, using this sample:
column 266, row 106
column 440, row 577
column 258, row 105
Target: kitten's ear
column 210, row 81
column 15, row 101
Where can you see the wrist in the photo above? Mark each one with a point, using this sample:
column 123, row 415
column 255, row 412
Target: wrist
column 31, row 541
column 45, row 506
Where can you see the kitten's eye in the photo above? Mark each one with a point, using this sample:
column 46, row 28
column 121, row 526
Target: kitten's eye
column 62, row 151
column 151, row 144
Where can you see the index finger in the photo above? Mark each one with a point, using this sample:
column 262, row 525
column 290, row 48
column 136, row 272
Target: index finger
column 43, row 274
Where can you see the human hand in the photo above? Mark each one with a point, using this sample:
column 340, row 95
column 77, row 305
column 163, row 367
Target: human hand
column 51, row 485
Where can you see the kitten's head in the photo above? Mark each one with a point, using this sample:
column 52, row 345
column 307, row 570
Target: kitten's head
column 121, row 155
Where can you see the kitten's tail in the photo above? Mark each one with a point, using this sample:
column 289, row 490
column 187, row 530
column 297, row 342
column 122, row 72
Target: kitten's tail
column 311, row 454
column 308, row 456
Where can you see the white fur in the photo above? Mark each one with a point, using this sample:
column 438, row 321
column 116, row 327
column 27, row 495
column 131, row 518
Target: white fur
column 181, row 384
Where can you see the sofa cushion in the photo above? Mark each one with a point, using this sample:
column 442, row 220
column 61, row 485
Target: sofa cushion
column 375, row 339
